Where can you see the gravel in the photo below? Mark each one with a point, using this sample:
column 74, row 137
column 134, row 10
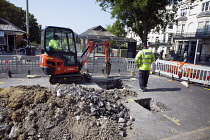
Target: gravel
column 70, row 112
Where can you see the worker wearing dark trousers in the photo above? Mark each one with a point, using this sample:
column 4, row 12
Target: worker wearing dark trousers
column 143, row 60
column 143, row 79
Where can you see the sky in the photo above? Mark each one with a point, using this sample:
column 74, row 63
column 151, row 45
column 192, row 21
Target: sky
column 78, row 15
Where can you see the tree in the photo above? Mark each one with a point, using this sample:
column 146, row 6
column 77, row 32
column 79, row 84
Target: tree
column 117, row 29
column 9, row 11
column 142, row 15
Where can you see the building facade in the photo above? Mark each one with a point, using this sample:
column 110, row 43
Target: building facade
column 190, row 34
column 10, row 35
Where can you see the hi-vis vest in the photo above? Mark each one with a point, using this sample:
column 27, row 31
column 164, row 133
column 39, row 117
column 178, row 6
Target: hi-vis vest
column 54, row 43
column 144, row 59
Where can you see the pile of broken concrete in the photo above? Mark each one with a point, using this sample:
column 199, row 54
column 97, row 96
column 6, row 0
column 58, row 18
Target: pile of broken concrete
column 68, row 112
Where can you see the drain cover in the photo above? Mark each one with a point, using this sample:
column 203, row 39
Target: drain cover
column 153, row 105
column 110, row 83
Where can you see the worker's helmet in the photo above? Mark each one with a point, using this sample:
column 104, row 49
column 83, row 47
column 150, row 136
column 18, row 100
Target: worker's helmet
column 56, row 37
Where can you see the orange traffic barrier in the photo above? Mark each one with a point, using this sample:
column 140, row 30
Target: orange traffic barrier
column 186, row 72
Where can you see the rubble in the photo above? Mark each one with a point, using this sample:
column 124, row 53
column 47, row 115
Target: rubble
column 70, row 112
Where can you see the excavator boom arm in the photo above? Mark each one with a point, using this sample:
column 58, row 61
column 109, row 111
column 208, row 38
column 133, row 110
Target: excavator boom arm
column 91, row 46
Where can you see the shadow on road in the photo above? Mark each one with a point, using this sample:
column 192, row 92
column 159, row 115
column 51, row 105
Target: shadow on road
column 163, row 89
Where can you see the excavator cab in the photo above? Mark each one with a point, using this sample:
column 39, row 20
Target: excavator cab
column 60, row 56
column 60, row 42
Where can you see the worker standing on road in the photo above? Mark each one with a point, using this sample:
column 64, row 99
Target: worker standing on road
column 54, row 43
column 143, row 60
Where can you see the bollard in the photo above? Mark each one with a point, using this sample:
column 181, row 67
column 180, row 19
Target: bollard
column 9, row 74
column 118, row 72
column 102, row 72
column 172, row 77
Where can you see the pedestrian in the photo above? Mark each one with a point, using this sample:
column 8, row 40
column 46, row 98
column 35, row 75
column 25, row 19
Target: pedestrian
column 161, row 55
column 143, row 60
column 185, row 56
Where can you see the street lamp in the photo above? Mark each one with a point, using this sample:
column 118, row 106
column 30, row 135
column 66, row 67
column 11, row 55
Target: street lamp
column 27, row 24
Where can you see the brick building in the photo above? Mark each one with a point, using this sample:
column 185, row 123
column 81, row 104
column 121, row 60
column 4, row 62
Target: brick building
column 10, row 35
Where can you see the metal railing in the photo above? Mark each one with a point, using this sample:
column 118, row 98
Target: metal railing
column 21, row 64
column 198, row 34
column 174, row 69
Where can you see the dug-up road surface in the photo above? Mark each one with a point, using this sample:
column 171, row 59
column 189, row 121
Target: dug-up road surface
column 167, row 111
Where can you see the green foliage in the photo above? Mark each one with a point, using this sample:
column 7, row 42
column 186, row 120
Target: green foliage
column 123, row 52
column 17, row 16
column 138, row 47
column 142, row 15
column 117, row 29
column 123, row 47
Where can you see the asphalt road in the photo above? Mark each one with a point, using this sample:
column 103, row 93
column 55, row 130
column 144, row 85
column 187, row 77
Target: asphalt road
column 186, row 115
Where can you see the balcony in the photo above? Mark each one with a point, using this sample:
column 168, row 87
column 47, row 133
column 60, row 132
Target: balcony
column 160, row 42
column 192, row 35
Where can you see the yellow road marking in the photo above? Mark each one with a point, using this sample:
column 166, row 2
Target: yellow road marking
column 130, row 100
column 207, row 88
column 186, row 134
column 1, row 82
column 133, row 78
column 173, row 120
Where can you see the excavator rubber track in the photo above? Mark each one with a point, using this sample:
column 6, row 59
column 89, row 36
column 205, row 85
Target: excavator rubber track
column 66, row 78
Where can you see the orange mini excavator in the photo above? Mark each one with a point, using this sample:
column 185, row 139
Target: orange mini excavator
column 59, row 58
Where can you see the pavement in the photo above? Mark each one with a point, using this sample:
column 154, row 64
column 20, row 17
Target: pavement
column 185, row 114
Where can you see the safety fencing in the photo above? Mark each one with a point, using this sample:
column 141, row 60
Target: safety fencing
column 185, row 71
column 174, row 69
column 98, row 63
column 8, row 63
column 19, row 64
column 22, row 64
column 131, row 65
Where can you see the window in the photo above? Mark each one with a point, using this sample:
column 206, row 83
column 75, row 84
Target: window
column 164, row 38
column 206, row 27
column 179, row 49
column 205, row 6
column 157, row 39
column 183, row 12
column 170, row 37
column 183, row 26
column 178, row 28
column 200, row 26
column 2, row 40
column 60, row 40
column 170, row 26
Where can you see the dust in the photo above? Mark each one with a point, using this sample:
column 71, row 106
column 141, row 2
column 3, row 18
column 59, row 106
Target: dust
column 78, row 113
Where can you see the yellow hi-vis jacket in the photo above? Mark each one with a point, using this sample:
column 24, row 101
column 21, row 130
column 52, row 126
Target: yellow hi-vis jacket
column 144, row 59
column 54, row 43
